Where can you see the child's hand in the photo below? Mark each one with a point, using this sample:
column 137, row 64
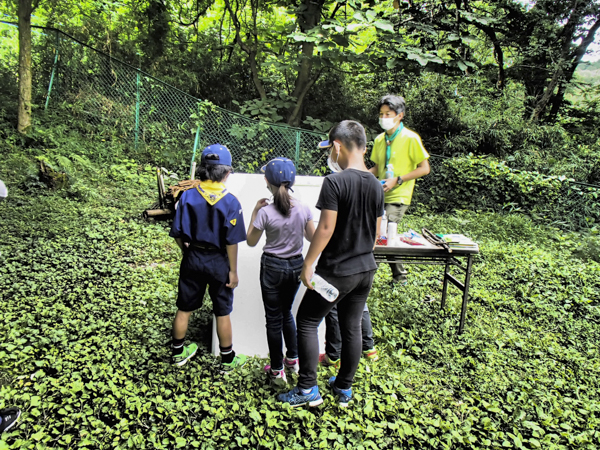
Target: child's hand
column 306, row 276
column 261, row 204
column 233, row 280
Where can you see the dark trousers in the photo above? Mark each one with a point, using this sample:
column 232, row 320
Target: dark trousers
column 354, row 290
column 333, row 337
column 279, row 283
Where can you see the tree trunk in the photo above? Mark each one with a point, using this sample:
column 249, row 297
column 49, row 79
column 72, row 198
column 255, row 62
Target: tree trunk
column 250, row 46
column 578, row 54
column 541, row 104
column 567, row 36
column 307, row 19
column 24, row 112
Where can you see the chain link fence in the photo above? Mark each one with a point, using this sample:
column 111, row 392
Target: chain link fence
column 164, row 123
column 112, row 99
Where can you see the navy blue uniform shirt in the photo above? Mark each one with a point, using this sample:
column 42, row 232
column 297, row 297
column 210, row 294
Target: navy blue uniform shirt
column 209, row 214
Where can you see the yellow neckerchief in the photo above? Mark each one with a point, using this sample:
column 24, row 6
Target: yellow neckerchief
column 212, row 191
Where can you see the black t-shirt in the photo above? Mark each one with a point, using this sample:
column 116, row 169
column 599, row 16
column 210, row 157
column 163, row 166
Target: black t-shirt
column 357, row 197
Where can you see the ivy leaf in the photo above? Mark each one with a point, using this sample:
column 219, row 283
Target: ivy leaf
column 385, row 25
column 417, row 57
column 358, row 15
column 255, row 415
column 342, row 41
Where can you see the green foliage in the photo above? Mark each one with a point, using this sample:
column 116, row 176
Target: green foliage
column 88, row 295
column 482, row 183
column 266, row 109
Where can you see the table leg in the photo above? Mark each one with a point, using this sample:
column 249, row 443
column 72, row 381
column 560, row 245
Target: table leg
column 445, row 287
column 463, row 311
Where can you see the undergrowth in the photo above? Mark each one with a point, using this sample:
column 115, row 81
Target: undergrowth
column 88, row 295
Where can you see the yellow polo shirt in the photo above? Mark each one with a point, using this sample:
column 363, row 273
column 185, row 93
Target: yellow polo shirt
column 406, row 152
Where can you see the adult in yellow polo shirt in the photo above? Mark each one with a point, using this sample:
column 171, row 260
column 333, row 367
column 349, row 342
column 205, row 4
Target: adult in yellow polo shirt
column 403, row 149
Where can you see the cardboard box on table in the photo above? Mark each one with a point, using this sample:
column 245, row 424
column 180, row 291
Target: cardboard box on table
column 248, row 316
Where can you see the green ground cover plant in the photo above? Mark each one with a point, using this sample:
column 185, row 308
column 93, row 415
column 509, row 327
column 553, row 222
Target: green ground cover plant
column 87, row 293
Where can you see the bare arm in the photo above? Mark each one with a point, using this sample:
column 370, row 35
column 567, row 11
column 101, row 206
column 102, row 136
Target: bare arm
column 377, row 235
column 374, row 170
column 309, row 230
column 180, row 243
column 232, row 254
column 422, row 169
column 319, row 242
column 254, row 234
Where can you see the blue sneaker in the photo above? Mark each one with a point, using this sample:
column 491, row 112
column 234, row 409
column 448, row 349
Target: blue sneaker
column 295, row 397
column 344, row 395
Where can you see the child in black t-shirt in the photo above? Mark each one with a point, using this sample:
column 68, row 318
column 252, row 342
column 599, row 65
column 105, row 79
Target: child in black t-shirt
column 351, row 204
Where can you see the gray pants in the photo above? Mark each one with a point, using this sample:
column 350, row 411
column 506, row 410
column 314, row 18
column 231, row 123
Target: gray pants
column 395, row 213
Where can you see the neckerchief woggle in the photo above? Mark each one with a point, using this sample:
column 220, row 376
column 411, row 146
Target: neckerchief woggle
column 212, row 194
column 388, row 143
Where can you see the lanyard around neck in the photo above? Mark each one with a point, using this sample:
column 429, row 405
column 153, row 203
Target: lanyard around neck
column 388, row 143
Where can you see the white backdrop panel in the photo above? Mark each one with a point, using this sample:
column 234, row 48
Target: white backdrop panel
column 248, row 316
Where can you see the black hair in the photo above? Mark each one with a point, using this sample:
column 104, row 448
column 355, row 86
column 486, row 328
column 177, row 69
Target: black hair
column 282, row 199
column 350, row 133
column 213, row 172
column 395, row 103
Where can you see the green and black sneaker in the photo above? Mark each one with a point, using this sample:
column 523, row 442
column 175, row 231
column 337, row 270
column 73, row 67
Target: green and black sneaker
column 188, row 351
column 238, row 361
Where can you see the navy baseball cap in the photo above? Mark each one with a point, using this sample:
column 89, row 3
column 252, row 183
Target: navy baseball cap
column 280, row 170
column 216, row 154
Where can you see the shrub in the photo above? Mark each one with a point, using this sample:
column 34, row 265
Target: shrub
column 485, row 184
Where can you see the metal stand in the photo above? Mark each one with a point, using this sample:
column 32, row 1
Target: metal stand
column 438, row 257
column 464, row 287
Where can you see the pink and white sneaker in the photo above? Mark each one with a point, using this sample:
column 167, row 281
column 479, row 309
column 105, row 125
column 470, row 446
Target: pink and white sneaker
column 291, row 364
column 276, row 377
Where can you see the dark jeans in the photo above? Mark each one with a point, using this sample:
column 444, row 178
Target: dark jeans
column 279, row 283
column 333, row 337
column 354, row 290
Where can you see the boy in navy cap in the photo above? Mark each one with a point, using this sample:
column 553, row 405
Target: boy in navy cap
column 208, row 226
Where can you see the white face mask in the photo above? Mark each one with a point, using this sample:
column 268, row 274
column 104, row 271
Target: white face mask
column 334, row 166
column 387, row 123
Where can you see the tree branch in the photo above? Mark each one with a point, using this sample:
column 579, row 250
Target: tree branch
column 336, row 9
column 251, row 51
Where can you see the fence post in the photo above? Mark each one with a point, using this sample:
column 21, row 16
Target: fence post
column 137, row 107
column 297, row 157
column 53, row 70
column 194, row 154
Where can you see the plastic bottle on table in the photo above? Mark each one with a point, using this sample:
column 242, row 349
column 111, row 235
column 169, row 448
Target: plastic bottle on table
column 327, row 291
column 383, row 229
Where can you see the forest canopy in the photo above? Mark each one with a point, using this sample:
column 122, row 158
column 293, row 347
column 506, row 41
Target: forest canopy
column 488, row 78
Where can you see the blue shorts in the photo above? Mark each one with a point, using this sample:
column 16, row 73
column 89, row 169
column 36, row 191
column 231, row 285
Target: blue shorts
column 200, row 268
